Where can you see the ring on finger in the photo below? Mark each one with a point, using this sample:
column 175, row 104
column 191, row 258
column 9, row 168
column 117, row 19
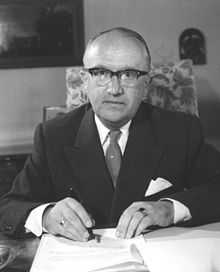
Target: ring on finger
column 143, row 211
column 63, row 221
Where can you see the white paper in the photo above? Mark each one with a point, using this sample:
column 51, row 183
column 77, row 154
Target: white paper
column 58, row 254
column 196, row 255
column 165, row 250
column 183, row 249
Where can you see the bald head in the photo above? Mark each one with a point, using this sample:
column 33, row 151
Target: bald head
column 116, row 40
column 122, row 55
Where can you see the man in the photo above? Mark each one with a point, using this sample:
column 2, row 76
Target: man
column 159, row 172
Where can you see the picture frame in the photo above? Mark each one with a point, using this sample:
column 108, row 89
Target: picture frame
column 50, row 112
column 41, row 33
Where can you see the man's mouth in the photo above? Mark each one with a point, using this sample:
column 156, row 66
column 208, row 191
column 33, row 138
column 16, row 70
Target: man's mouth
column 113, row 102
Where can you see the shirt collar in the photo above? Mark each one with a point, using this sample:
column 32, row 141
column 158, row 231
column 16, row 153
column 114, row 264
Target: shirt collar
column 103, row 131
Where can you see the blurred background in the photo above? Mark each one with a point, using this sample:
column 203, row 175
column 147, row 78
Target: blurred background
column 24, row 92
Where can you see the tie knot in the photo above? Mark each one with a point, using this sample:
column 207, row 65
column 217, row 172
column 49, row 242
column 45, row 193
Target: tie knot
column 114, row 135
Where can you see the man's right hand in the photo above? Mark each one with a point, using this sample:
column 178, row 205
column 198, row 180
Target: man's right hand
column 68, row 218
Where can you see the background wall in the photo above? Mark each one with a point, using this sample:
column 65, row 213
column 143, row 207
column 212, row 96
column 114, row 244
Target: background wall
column 161, row 22
column 24, row 92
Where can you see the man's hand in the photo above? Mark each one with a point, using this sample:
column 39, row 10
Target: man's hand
column 68, row 218
column 141, row 215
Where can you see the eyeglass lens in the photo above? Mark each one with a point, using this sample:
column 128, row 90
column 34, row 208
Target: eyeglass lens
column 127, row 77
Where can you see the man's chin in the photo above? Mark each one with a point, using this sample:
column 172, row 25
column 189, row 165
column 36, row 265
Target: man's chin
column 113, row 116
column 114, row 120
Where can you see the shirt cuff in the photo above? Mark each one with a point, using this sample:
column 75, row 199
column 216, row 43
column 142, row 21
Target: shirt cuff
column 34, row 221
column 181, row 212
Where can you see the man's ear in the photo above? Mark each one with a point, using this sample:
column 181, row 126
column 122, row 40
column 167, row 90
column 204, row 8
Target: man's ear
column 146, row 84
column 85, row 79
column 145, row 90
column 83, row 75
column 149, row 78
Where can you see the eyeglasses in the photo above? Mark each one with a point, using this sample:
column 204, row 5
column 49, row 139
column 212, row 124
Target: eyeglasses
column 128, row 77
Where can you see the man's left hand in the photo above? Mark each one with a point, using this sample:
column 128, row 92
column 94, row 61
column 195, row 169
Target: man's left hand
column 141, row 215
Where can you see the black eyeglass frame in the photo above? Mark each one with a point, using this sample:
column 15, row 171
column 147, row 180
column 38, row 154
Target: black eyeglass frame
column 117, row 73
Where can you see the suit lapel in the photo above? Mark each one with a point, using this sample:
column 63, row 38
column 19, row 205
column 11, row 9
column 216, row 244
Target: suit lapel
column 92, row 179
column 141, row 158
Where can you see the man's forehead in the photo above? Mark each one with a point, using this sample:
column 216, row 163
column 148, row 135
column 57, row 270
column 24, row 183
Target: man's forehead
column 114, row 48
column 115, row 41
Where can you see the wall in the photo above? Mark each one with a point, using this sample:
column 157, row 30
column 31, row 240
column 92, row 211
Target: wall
column 24, row 92
column 161, row 22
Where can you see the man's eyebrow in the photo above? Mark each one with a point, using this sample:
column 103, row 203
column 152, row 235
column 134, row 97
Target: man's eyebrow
column 100, row 66
column 122, row 69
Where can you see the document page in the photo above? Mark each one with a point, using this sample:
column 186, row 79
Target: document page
column 104, row 253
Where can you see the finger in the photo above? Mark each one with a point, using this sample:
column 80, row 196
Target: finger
column 125, row 219
column 134, row 223
column 71, row 216
column 81, row 212
column 75, row 214
column 92, row 219
column 145, row 223
column 59, row 226
column 155, row 215
column 74, row 225
column 73, row 235
column 123, row 225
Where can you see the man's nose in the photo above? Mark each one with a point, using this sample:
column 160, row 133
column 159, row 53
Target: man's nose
column 114, row 87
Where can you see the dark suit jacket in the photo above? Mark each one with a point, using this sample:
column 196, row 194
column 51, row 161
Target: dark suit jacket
column 68, row 154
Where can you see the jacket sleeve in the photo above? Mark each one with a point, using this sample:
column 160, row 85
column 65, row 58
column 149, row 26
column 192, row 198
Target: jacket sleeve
column 31, row 188
column 202, row 178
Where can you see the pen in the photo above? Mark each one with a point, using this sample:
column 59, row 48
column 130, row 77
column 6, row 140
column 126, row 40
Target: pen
column 73, row 193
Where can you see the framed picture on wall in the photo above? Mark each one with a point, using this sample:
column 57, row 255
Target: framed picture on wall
column 41, row 33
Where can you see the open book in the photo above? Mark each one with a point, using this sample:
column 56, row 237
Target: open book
column 104, row 253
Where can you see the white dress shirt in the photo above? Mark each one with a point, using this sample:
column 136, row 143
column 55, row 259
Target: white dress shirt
column 34, row 221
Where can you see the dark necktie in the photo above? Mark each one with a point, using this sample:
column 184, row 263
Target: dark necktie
column 113, row 155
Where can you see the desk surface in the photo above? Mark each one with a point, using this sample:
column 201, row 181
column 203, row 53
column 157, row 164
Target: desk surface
column 25, row 251
column 177, row 239
column 7, row 150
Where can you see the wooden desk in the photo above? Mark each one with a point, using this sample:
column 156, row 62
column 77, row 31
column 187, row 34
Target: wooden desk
column 172, row 249
column 25, row 251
